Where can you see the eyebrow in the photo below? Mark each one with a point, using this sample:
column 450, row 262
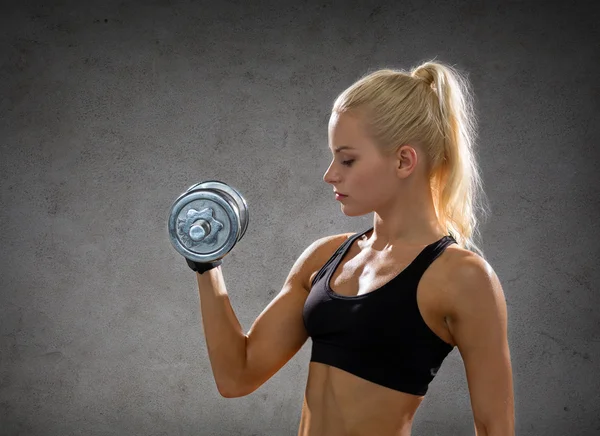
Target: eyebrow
column 343, row 147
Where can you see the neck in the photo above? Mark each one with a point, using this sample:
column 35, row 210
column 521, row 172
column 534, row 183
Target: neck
column 408, row 221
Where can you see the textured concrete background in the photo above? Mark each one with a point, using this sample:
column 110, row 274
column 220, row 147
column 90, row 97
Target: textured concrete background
column 109, row 111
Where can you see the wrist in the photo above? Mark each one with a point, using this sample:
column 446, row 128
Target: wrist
column 201, row 268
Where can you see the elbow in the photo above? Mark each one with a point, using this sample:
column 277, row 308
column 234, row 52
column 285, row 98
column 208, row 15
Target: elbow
column 229, row 394
column 232, row 391
column 232, row 388
column 238, row 384
column 237, row 389
column 229, row 390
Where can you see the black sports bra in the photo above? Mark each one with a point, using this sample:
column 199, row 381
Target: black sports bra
column 379, row 336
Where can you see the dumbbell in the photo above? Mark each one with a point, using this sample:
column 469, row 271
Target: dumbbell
column 207, row 220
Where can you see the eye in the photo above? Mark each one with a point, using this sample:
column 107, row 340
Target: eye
column 348, row 162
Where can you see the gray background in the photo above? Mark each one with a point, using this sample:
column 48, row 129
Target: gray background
column 108, row 112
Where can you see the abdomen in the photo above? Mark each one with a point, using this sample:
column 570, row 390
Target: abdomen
column 337, row 403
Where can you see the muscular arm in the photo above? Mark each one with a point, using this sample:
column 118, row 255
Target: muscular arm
column 240, row 362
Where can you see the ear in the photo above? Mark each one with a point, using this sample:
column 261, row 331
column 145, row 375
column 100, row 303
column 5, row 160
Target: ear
column 406, row 161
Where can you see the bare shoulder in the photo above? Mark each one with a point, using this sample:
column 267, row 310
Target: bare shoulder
column 464, row 264
column 465, row 274
column 319, row 252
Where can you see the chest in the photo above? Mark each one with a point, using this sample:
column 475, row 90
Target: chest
column 359, row 274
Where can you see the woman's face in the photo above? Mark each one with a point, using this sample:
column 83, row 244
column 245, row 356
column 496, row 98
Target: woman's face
column 359, row 169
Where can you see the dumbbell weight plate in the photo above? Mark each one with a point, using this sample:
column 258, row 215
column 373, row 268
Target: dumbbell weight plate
column 204, row 207
column 239, row 200
column 193, row 186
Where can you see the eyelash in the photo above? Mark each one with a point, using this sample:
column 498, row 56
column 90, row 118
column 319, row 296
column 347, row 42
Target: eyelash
column 348, row 162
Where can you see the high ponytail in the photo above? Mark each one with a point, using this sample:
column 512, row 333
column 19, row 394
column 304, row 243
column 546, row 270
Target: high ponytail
column 432, row 107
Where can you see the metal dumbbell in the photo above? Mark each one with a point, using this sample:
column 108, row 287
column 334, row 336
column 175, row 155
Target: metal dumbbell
column 207, row 221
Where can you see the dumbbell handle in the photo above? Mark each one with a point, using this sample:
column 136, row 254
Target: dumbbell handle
column 199, row 230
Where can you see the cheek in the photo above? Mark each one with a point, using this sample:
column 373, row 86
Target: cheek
column 374, row 173
column 374, row 183
column 369, row 184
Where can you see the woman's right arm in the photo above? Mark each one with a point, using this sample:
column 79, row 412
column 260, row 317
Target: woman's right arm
column 240, row 362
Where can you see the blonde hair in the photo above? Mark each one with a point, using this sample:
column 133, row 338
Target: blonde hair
column 430, row 107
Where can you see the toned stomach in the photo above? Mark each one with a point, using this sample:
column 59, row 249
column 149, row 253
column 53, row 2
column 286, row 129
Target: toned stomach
column 337, row 403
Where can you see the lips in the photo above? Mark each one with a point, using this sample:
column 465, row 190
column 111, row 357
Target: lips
column 340, row 194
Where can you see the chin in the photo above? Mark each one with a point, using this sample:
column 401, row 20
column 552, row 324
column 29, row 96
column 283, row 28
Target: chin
column 353, row 213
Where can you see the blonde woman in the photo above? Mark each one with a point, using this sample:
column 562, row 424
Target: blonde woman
column 383, row 307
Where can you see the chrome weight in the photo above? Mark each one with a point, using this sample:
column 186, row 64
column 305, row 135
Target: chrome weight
column 207, row 220
column 193, row 186
column 204, row 225
column 240, row 201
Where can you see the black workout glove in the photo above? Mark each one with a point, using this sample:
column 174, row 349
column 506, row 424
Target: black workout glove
column 201, row 268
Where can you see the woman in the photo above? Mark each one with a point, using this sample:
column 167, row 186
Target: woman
column 383, row 307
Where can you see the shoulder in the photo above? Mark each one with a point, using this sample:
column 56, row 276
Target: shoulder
column 464, row 266
column 319, row 252
column 470, row 282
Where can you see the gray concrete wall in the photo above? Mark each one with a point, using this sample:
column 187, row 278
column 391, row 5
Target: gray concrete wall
column 109, row 111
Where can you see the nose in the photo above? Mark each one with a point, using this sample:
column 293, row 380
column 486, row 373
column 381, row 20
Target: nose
column 329, row 176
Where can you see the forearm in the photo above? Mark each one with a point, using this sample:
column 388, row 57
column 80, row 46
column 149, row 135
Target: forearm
column 225, row 339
